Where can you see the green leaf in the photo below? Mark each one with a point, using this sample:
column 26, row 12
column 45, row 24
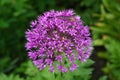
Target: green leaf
column 103, row 78
column 10, row 77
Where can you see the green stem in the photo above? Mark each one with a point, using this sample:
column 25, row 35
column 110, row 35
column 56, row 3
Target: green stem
column 61, row 76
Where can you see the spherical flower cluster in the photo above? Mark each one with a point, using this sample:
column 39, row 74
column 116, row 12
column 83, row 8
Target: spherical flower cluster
column 57, row 38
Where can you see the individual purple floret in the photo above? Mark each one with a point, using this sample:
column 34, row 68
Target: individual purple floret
column 73, row 67
column 57, row 38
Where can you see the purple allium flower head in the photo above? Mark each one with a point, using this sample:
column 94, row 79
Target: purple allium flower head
column 58, row 37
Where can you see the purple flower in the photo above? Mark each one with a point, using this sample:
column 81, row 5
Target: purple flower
column 58, row 36
column 32, row 55
column 51, row 69
column 61, row 68
column 73, row 67
column 59, row 58
column 33, row 23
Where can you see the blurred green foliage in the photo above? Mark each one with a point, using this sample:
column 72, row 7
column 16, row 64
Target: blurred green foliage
column 103, row 16
column 10, row 77
column 106, row 32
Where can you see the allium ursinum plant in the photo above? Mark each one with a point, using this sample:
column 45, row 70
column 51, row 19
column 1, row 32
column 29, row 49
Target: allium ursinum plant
column 58, row 36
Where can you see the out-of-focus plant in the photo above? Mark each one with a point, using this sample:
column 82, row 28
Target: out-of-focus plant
column 14, row 17
column 113, row 67
column 10, row 77
column 106, row 33
column 32, row 73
